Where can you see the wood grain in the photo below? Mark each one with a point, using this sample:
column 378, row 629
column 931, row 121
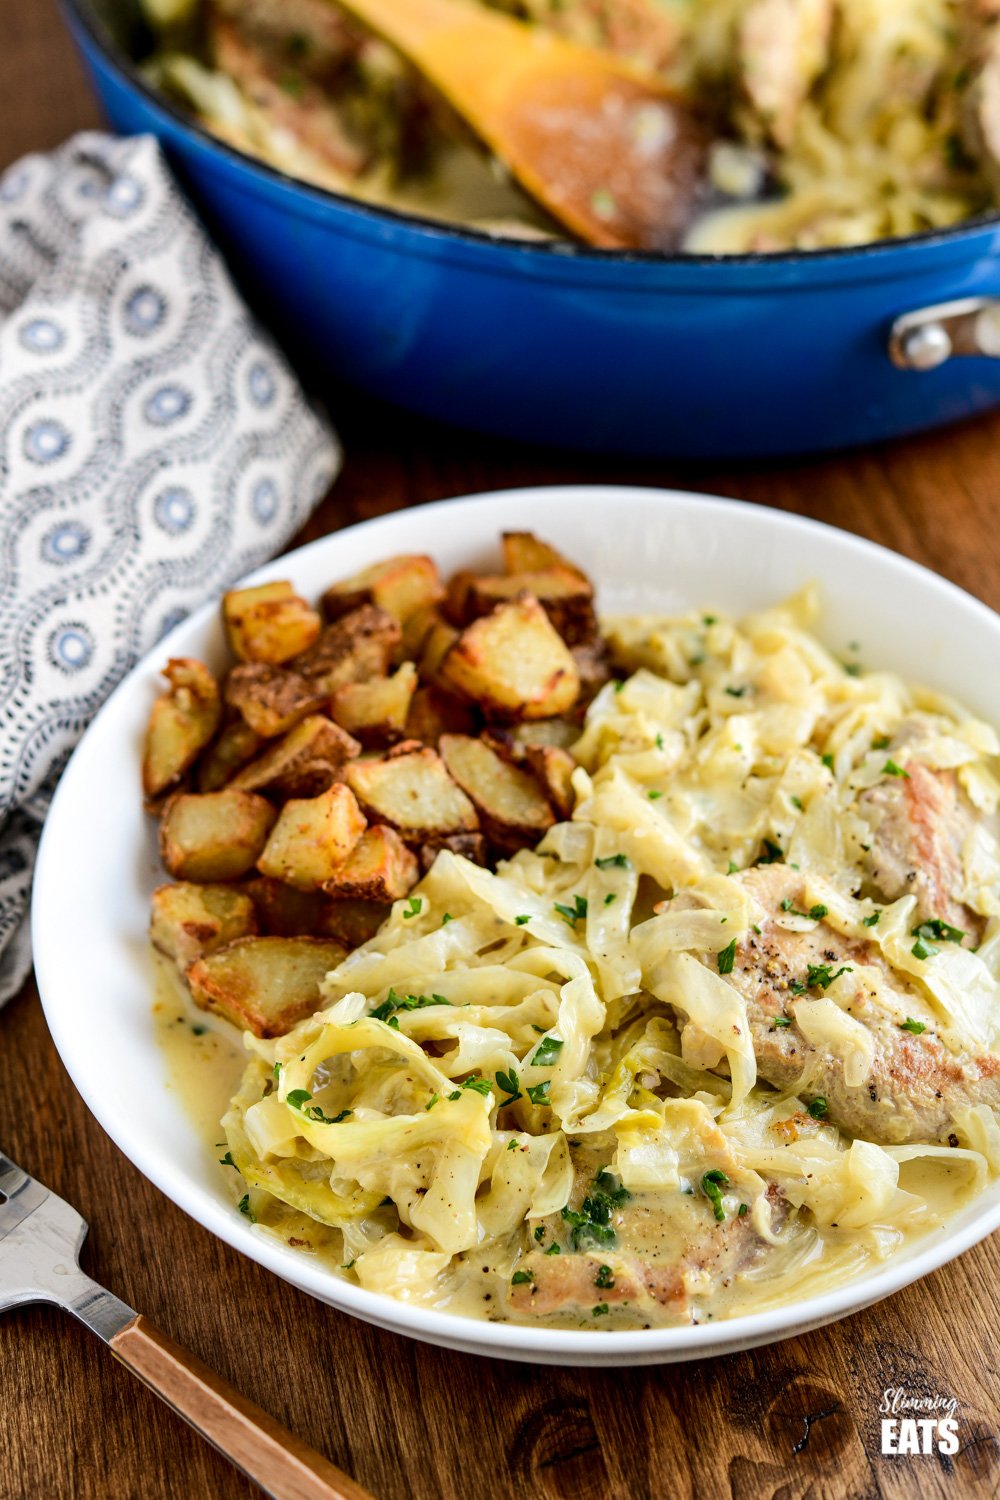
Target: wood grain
column 407, row 1421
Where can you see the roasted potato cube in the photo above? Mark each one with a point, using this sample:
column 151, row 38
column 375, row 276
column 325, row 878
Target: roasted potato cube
column 283, row 911
column 187, row 921
column 525, row 553
column 469, row 845
column 358, row 646
column 593, row 666
column 312, row 837
column 434, row 712
column 232, row 748
column 400, row 585
column 269, row 623
column 512, row 807
column 437, row 643
column 268, row 984
column 457, row 603
column 566, row 598
column 378, row 868
column 181, row 723
column 417, row 628
column 411, row 791
column 210, row 836
column 303, row 763
column 376, row 711
column 513, row 663
column 353, row 922
column 272, row 699
column 554, row 769
column 562, row 732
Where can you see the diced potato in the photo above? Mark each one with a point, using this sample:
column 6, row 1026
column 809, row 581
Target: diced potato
column 269, row 623
column 210, row 836
column 567, row 599
column 181, row 723
column 354, row 922
column 187, row 921
column 513, row 663
column 304, row 763
column 525, row 553
column 554, row 769
column 376, row 711
column 400, row 585
column 469, row 845
column 512, row 807
column 434, row 712
column 283, row 911
column 312, row 837
column 358, row 646
column 562, row 732
column 417, row 627
column 272, row 699
column 458, row 597
column 410, row 790
column 593, row 667
column 268, row 984
column 379, row 868
column 231, row 749
column 437, row 643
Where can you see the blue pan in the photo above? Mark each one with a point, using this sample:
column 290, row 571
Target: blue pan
column 667, row 355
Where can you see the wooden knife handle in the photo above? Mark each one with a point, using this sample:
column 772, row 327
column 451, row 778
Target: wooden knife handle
column 267, row 1453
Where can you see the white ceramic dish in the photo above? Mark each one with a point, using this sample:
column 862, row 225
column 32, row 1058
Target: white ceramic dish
column 648, row 550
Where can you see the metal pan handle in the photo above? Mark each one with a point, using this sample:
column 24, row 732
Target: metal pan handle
column 925, row 339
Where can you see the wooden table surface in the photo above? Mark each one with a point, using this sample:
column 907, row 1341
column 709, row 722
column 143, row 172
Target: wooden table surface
column 409, row 1421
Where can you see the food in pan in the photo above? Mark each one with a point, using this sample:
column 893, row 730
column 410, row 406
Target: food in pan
column 833, row 122
column 646, row 973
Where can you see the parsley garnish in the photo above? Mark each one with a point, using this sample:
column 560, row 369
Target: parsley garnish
column 882, row 743
column 711, row 1185
column 727, row 957
column 414, row 907
column 547, row 1051
column 393, row 1002
column 592, row 1221
column 736, row 692
column 796, row 802
column 827, row 761
column 446, row 919
column 935, row 928
column 298, row 1097
column 277, row 1071
column 540, row 1233
column 814, row 914
column 709, row 619
column 600, row 1310
column 852, row 668
column 538, row 1093
column 916, row 1027
column 244, row 1208
column 510, row 1085
column 921, row 949
column 227, row 1160
column 613, row 862
column 605, row 1278
column 782, row 1021
column 654, row 796
column 572, row 914
column 349, row 1264
column 818, row 1108
column 554, row 1250
column 744, row 1209
column 891, row 769
column 871, row 921
column 522, row 919
column 434, row 1099
column 609, row 898
column 821, row 976
column 772, row 855
column 659, row 742
column 733, row 868
column 477, row 1083
column 522, row 1278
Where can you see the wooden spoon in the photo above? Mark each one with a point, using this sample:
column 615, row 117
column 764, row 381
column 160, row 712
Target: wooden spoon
column 610, row 153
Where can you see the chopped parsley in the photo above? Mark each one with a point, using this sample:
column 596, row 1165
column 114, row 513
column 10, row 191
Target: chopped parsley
column 916, row 1027
column 298, row 1097
column 414, row 907
column 891, row 769
column 522, row 919
column 572, row 914
column 553, row 1250
column 772, row 855
column 540, row 1233
column 446, row 919
column 538, row 1093
column 744, row 1209
column 821, row 976
column 601, row 1310
column 709, row 619
column 522, row 1278
column 727, row 957
column 476, row 1083
column 733, row 868
column 827, row 761
column 659, row 742
column 872, row 921
column 796, row 802
column 711, row 1185
column 591, row 1222
column 922, row 949
column 818, row 1108
column 782, row 1021
column 433, row 1100
column 547, row 1051
column 605, row 1278
column 935, row 928
column 277, row 1071
column 852, row 668
column 244, row 1208
column 814, row 914
column 610, row 897
column 511, row 1087
column 613, row 862
column 393, row 1002
column 227, row 1160
column 882, row 743
column 654, row 796
column 736, row 692
column 349, row 1264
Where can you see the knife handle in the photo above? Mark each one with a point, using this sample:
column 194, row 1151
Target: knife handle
column 283, row 1466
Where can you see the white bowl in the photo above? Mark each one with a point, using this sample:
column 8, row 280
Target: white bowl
column 657, row 551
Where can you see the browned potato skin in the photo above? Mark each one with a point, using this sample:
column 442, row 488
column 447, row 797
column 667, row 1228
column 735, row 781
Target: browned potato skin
column 513, row 663
column 181, row 723
column 271, row 699
column 235, row 744
column 269, row 623
column 433, row 712
column 523, row 552
column 593, row 665
column 283, row 911
column 267, row 984
column 214, row 836
column 399, row 585
column 417, row 627
column 567, row 599
column 312, row 838
column 513, row 809
column 358, row 646
column 376, row 711
column 304, row 763
column 469, row 845
column 379, row 868
column 187, row 921
column 410, row 789
column 554, row 768
column 353, row 922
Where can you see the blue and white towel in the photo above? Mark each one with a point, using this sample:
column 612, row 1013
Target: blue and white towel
column 154, row 446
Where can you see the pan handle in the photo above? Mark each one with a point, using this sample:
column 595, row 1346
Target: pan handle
column 926, row 339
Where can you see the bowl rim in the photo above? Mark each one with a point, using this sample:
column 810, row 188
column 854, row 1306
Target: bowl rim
column 83, row 14
column 513, row 1341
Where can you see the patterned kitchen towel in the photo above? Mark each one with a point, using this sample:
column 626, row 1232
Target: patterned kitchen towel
column 154, row 446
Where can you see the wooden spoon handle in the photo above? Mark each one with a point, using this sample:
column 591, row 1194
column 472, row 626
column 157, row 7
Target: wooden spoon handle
column 267, row 1453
